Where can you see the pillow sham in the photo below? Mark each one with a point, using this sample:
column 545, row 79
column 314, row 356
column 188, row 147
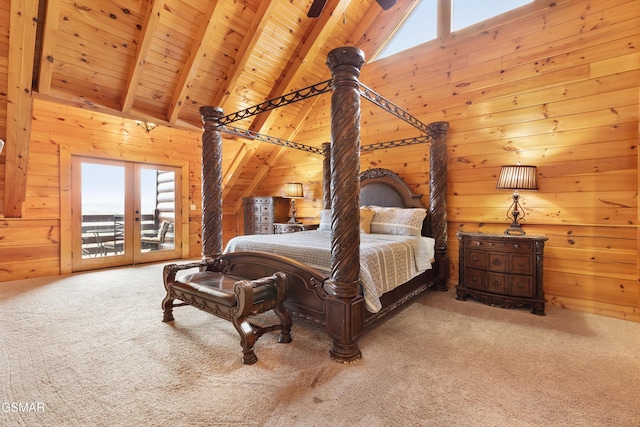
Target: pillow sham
column 398, row 221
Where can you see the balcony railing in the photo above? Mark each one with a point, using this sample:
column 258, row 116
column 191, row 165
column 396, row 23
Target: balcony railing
column 103, row 235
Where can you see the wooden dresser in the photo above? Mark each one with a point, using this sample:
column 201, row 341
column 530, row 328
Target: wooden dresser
column 261, row 213
column 501, row 270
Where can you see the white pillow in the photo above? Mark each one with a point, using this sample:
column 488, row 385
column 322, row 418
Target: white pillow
column 325, row 220
column 398, row 221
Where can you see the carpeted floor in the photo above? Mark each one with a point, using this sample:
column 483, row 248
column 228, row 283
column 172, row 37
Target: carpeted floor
column 90, row 350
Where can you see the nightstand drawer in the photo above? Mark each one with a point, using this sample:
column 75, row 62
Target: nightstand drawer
column 497, row 283
column 500, row 245
column 474, row 278
column 521, row 264
column 476, row 259
column 521, row 286
column 498, row 261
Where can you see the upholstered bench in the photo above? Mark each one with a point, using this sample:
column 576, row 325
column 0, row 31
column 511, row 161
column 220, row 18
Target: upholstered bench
column 232, row 298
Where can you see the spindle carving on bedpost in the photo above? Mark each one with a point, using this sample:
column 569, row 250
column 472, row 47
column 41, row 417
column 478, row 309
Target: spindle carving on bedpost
column 326, row 176
column 344, row 306
column 211, row 182
column 438, row 199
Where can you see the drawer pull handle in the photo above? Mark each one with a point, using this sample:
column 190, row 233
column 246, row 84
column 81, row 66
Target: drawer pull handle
column 497, row 262
column 495, row 283
column 474, row 259
column 516, row 245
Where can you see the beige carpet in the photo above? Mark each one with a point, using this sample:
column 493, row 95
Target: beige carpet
column 90, row 350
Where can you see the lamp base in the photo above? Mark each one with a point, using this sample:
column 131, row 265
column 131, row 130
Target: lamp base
column 292, row 213
column 514, row 230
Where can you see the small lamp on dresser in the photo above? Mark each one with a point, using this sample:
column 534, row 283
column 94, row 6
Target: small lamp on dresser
column 293, row 190
column 517, row 177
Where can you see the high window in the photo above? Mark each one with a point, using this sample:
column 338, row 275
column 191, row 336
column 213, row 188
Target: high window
column 422, row 24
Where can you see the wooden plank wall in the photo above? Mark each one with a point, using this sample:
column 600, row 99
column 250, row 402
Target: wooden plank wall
column 557, row 89
column 30, row 246
column 4, row 74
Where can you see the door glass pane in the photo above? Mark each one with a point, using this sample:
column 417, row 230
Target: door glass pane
column 102, row 205
column 157, row 215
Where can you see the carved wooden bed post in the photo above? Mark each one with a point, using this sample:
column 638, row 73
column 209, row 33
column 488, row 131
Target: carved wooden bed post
column 438, row 198
column 344, row 305
column 326, row 175
column 211, row 182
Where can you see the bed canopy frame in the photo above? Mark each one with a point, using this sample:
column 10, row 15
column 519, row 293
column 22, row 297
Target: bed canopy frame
column 344, row 305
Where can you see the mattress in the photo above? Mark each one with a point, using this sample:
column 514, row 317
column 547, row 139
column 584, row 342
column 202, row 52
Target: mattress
column 386, row 260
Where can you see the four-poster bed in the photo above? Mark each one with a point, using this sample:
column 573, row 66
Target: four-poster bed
column 332, row 297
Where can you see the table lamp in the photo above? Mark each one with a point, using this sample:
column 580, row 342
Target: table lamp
column 517, row 177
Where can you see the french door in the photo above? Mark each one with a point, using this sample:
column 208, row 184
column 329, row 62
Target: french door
column 123, row 213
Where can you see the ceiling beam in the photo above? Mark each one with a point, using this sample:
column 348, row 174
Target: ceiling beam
column 248, row 149
column 148, row 31
column 260, row 175
column 263, row 170
column 313, row 43
column 22, row 42
column 214, row 14
column 262, row 16
column 309, row 49
column 47, row 58
column 444, row 19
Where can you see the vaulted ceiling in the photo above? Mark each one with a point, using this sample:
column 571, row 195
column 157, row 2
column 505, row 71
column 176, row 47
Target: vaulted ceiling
column 161, row 60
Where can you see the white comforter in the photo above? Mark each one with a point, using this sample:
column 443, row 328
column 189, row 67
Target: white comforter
column 386, row 261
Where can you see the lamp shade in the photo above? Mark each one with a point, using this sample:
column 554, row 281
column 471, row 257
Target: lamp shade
column 293, row 189
column 518, row 177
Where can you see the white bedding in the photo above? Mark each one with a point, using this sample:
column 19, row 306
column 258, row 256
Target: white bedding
column 386, row 260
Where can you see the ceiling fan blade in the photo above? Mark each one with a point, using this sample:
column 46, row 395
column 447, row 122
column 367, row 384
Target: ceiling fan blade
column 316, row 8
column 386, row 4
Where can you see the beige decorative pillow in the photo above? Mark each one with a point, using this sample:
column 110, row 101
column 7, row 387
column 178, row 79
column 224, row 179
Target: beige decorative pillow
column 366, row 215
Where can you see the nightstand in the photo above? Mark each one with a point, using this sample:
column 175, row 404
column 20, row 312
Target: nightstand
column 501, row 270
column 282, row 228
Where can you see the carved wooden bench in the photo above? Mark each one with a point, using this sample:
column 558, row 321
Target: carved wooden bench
column 230, row 297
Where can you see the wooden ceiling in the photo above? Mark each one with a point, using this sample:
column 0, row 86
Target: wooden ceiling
column 160, row 60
